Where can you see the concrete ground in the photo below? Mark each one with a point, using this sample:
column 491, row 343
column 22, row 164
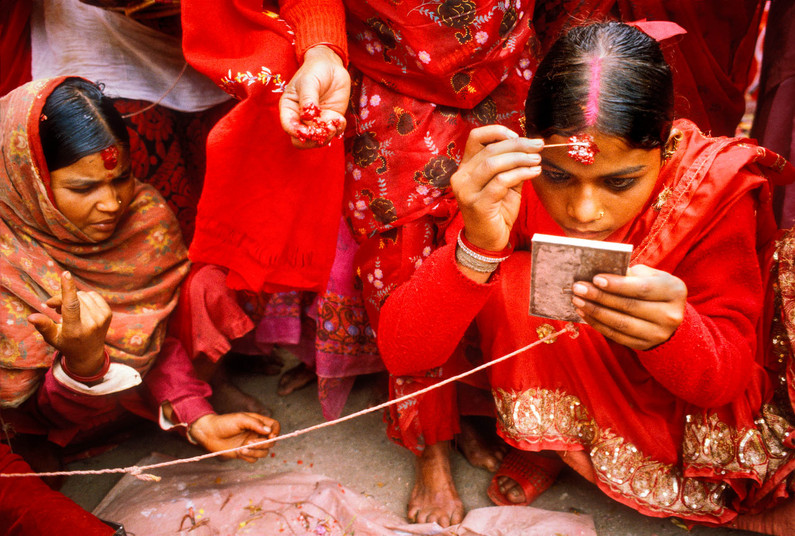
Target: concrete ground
column 358, row 454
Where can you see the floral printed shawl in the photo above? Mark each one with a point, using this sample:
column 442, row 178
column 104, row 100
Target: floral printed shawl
column 137, row 271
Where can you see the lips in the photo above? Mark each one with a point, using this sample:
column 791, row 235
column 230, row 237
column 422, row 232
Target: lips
column 587, row 235
column 107, row 225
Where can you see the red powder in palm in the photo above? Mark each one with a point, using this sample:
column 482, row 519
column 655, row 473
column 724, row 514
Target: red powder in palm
column 583, row 149
column 313, row 128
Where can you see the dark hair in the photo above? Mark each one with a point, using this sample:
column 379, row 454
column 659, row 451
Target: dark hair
column 79, row 120
column 609, row 76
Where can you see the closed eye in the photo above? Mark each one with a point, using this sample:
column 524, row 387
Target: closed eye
column 619, row 184
column 557, row 177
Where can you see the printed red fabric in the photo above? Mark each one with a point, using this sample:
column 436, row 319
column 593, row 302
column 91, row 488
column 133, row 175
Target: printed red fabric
column 268, row 211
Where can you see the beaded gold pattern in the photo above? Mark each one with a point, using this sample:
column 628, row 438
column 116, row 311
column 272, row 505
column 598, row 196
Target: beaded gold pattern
column 540, row 415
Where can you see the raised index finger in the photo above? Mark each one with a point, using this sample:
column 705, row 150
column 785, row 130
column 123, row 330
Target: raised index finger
column 70, row 304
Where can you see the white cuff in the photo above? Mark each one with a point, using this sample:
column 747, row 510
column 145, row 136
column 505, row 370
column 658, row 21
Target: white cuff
column 118, row 378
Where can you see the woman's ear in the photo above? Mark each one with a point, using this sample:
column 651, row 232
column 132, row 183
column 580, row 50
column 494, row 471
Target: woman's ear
column 672, row 144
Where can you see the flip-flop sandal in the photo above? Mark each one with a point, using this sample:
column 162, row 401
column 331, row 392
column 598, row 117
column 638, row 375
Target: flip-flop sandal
column 532, row 472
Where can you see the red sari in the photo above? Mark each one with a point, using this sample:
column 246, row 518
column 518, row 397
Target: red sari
column 697, row 427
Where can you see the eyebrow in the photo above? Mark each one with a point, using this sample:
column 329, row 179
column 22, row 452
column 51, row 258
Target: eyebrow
column 72, row 182
column 619, row 173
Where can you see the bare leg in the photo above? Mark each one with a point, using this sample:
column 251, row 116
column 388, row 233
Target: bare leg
column 296, row 378
column 480, row 445
column 226, row 397
column 434, row 497
column 580, row 462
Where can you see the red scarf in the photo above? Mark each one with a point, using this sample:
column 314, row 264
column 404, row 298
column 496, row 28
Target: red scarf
column 268, row 212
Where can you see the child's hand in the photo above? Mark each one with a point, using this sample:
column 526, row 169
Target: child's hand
column 640, row 310
column 80, row 336
column 488, row 183
column 221, row 432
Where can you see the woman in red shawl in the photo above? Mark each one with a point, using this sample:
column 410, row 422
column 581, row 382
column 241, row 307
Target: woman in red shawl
column 673, row 397
column 81, row 237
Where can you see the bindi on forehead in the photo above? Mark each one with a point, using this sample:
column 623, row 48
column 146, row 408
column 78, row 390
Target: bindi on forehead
column 583, row 149
column 110, row 157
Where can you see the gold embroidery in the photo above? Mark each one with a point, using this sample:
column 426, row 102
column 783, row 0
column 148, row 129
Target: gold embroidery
column 662, row 198
column 778, row 165
column 672, row 145
column 539, row 415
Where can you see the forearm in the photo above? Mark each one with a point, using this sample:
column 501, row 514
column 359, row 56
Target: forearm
column 709, row 360
column 320, row 22
column 424, row 319
column 172, row 382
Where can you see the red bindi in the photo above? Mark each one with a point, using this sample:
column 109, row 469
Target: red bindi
column 110, row 157
column 583, row 149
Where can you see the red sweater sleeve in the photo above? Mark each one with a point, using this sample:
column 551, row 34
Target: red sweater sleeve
column 28, row 506
column 710, row 358
column 430, row 312
column 317, row 22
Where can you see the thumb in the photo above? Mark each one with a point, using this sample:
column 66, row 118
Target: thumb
column 255, row 423
column 70, row 304
column 48, row 329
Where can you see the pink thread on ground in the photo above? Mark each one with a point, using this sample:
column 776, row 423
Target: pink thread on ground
column 138, row 471
column 592, row 107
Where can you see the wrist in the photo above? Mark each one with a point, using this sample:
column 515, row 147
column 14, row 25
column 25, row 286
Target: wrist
column 87, row 375
column 323, row 52
column 481, row 254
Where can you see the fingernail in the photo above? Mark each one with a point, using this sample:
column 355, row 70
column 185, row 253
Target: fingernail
column 579, row 288
column 578, row 302
column 67, row 275
column 537, row 142
column 600, row 281
column 580, row 312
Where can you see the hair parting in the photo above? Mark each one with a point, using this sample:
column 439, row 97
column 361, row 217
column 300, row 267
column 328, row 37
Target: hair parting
column 592, row 108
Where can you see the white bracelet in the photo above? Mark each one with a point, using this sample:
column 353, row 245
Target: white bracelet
column 473, row 263
column 476, row 255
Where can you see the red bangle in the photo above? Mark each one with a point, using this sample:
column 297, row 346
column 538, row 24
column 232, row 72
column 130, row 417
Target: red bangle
column 485, row 252
column 85, row 379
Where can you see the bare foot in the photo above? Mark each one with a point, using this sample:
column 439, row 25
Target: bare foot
column 545, row 467
column 778, row 521
column 228, row 398
column 296, row 378
column 434, row 497
column 479, row 443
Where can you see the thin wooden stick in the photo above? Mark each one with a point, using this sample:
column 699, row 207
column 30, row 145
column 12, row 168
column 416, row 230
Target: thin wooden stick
column 572, row 144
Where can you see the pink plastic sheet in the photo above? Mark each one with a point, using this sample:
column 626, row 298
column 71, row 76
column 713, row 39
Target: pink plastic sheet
column 211, row 498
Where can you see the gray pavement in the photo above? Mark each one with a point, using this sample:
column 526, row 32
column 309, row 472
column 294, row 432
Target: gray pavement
column 358, row 454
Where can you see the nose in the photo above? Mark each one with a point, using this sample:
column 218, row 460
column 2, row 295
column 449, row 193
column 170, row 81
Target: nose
column 109, row 200
column 584, row 206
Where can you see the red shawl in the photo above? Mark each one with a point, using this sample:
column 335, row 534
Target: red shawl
column 137, row 271
column 268, row 212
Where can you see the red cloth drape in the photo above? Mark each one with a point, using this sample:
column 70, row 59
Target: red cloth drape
column 268, row 212
column 14, row 44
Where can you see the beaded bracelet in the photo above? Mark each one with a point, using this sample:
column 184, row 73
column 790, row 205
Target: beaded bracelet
column 481, row 254
column 86, row 379
column 474, row 263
